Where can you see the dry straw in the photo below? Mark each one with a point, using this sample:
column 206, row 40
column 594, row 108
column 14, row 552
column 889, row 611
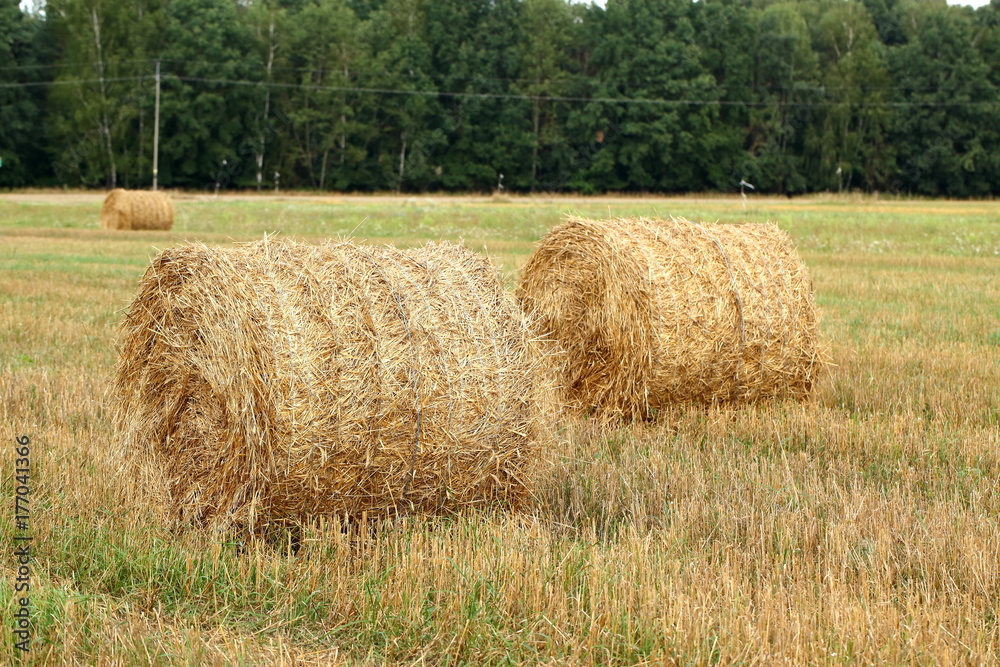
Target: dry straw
column 275, row 381
column 137, row 209
column 652, row 313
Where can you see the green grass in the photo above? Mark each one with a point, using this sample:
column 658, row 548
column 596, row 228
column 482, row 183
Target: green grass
column 857, row 528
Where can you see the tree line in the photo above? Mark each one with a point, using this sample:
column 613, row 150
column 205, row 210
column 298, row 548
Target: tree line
column 534, row 95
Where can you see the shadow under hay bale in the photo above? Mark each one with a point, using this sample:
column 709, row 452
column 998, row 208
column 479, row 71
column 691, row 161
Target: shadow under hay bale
column 270, row 382
column 655, row 313
column 137, row 209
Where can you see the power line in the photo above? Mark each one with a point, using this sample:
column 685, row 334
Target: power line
column 520, row 97
column 558, row 98
column 68, row 82
column 79, row 65
column 444, row 93
column 355, row 73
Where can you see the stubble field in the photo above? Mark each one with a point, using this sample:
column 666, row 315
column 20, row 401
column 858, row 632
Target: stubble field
column 858, row 528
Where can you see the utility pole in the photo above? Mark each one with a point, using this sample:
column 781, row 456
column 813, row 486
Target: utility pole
column 156, row 127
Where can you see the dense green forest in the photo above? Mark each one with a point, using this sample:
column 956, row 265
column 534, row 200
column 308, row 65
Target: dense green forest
column 428, row 95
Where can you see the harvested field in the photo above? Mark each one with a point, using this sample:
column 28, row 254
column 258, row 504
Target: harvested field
column 859, row 527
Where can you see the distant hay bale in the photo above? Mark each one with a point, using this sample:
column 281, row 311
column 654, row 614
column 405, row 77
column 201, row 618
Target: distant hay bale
column 652, row 313
column 137, row 209
column 274, row 381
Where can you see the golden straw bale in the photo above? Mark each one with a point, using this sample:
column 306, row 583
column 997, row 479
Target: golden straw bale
column 275, row 381
column 137, row 209
column 652, row 313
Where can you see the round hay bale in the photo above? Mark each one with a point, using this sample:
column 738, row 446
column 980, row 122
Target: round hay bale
column 275, row 381
column 137, row 209
column 652, row 313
